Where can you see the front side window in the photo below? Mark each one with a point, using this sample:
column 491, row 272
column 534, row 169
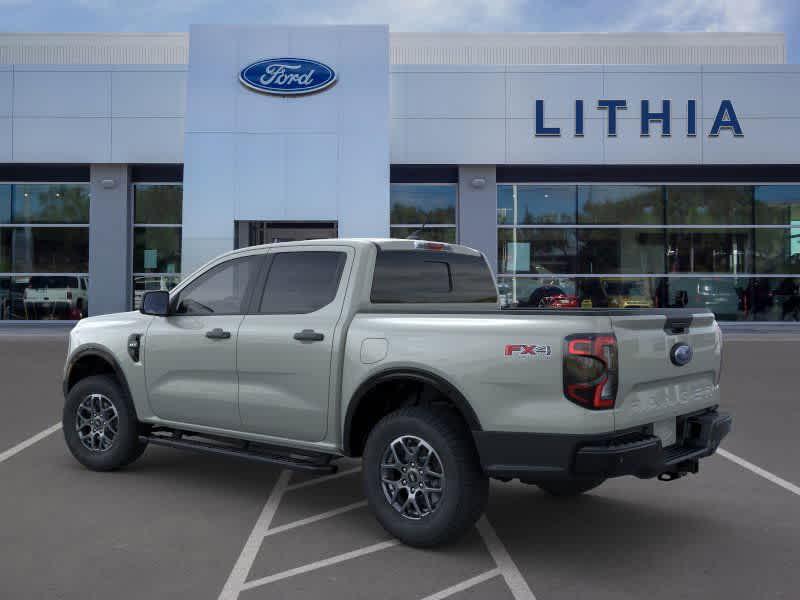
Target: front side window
column 223, row 289
column 302, row 282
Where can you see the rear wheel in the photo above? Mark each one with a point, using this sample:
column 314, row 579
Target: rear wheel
column 422, row 477
column 100, row 425
column 569, row 487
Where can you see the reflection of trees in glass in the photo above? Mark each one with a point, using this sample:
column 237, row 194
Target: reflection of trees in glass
column 158, row 204
column 620, row 204
column 44, row 250
column 551, row 250
column 777, row 204
column 402, row 213
column 45, row 203
column 431, row 234
column 505, row 204
column 621, row 251
column 777, row 251
column 166, row 241
column 709, row 205
column 710, row 251
column 429, row 204
column 545, row 204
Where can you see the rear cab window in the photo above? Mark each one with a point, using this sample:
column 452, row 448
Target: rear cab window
column 425, row 276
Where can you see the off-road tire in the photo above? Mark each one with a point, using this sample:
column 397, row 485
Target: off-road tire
column 569, row 487
column 466, row 486
column 125, row 447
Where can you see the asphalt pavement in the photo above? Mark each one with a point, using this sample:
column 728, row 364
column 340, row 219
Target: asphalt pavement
column 183, row 525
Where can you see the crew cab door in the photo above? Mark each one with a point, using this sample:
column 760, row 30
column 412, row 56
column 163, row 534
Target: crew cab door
column 190, row 356
column 285, row 345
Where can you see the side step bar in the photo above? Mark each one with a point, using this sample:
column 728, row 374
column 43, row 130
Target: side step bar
column 315, row 464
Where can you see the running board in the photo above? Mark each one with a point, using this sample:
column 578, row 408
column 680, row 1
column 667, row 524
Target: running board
column 320, row 465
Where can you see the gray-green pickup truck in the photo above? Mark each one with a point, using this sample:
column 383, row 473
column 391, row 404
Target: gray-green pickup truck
column 395, row 351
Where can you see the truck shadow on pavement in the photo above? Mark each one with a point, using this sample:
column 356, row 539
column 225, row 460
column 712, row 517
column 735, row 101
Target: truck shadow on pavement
column 554, row 529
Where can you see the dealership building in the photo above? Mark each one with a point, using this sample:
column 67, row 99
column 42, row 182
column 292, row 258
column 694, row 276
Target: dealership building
column 591, row 169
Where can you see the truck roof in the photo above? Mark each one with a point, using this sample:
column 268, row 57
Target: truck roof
column 382, row 243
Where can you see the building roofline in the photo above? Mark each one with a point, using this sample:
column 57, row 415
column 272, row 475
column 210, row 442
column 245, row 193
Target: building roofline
column 446, row 48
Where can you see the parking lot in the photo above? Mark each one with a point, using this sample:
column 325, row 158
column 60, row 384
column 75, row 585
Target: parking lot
column 183, row 525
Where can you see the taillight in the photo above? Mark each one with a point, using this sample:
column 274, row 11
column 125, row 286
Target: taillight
column 591, row 370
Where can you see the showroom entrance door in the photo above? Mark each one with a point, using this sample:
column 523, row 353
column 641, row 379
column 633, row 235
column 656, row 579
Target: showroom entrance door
column 253, row 233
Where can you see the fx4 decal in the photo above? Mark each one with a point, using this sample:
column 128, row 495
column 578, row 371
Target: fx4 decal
column 532, row 350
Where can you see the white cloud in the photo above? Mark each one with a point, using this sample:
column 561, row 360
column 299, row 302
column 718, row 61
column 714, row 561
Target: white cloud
column 704, row 15
column 416, row 15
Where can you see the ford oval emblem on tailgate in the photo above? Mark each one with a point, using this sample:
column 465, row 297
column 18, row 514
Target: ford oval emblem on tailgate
column 681, row 354
column 287, row 76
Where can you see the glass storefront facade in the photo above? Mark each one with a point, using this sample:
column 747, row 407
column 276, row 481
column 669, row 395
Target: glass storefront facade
column 424, row 211
column 734, row 249
column 44, row 251
column 157, row 221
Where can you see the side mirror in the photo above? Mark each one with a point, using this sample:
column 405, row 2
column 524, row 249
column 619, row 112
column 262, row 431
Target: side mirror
column 155, row 303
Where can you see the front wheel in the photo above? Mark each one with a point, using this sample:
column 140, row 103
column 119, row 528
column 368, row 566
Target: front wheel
column 422, row 476
column 100, row 424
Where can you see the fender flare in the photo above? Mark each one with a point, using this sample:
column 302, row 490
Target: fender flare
column 101, row 352
column 442, row 385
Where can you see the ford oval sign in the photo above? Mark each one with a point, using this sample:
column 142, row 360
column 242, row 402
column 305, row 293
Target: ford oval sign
column 287, row 76
column 681, row 354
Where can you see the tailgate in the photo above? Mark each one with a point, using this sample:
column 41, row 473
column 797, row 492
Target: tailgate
column 654, row 389
column 46, row 295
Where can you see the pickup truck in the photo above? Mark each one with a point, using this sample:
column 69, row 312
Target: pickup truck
column 51, row 296
column 397, row 352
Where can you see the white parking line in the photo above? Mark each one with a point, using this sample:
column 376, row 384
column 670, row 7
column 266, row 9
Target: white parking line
column 508, row 568
column 320, row 564
column 315, row 518
column 464, row 585
column 310, row 482
column 760, row 472
column 29, row 442
column 241, row 569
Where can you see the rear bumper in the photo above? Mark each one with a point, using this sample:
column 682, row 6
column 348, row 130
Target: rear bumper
column 535, row 457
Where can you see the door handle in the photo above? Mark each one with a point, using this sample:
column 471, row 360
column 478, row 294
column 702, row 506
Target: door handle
column 309, row 335
column 218, row 334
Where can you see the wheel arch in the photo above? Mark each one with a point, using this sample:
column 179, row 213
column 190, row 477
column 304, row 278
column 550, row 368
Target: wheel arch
column 85, row 361
column 398, row 375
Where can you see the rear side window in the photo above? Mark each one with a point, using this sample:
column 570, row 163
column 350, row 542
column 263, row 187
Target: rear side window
column 301, row 282
column 423, row 276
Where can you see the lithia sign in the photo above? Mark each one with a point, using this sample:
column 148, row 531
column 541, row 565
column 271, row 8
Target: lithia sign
column 726, row 119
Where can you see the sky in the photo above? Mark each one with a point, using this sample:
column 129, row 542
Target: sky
column 413, row 15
